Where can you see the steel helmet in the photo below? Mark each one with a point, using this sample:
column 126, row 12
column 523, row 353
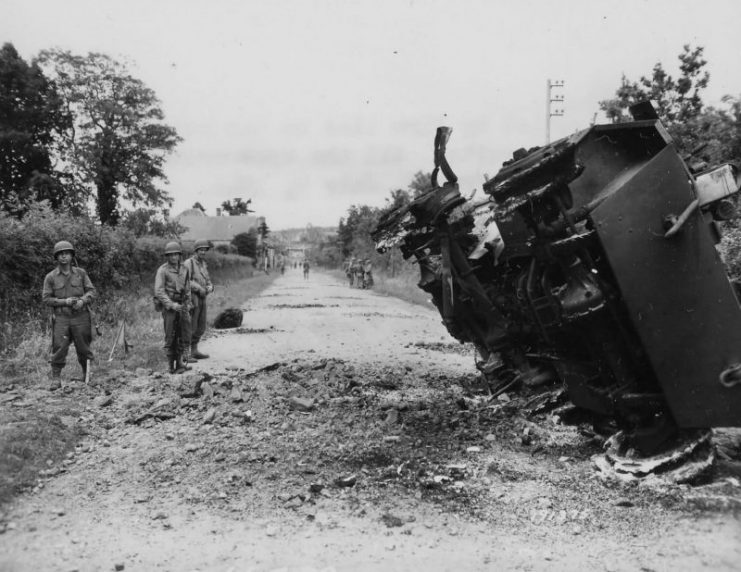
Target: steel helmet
column 173, row 248
column 61, row 246
column 202, row 243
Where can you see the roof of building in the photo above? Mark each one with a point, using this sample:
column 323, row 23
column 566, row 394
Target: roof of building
column 221, row 228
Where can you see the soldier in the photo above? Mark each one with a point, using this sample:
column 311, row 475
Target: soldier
column 201, row 286
column 69, row 292
column 172, row 291
column 306, row 269
column 367, row 273
column 349, row 270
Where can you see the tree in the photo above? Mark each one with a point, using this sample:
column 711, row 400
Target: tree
column 30, row 113
column 118, row 142
column 420, row 183
column 677, row 102
column 263, row 231
column 143, row 222
column 237, row 207
column 199, row 206
column 246, row 243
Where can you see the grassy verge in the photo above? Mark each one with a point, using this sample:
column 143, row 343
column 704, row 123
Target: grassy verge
column 37, row 427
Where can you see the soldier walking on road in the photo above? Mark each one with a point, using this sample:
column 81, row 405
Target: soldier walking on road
column 201, row 286
column 69, row 292
column 306, row 269
column 172, row 292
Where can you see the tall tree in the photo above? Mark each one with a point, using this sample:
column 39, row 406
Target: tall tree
column 237, row 206
column 677, row 101
column 30, row 114
column 118, row 142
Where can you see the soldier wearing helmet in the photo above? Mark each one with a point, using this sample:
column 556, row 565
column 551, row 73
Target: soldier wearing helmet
column 68, row 291
column 201, row 286
column 172, row 291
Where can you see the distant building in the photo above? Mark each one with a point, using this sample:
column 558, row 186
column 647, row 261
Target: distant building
column 220, row 229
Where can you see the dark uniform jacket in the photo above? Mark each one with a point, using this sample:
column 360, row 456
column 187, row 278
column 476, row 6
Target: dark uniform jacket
column 59, row 286
column 172, row 285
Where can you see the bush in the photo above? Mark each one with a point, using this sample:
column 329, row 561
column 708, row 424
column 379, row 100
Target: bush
column 113, row 257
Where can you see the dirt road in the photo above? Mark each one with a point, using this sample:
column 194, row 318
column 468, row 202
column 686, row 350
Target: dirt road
column 341, row 430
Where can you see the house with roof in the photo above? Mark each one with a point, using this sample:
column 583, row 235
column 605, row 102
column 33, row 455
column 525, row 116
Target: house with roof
column 219, row 229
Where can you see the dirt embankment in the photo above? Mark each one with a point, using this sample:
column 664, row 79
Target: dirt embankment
column 341, row 430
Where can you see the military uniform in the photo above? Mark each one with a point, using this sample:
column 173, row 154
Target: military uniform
column 201, row 287
column 70, row 324
column 172, row 286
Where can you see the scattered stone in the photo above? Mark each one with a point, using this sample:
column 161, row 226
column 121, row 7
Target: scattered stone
column 219, row 457
column 473, row 449
column 191, row 447
column 300, row 404
column 209, row 416
column 391, row 521
column 315, row 487
column 229, row 318
column 346, row 481
column 159, row 516
column 236, row 395
column 271, row 531
column 504, row 398
column 169, row 436
column 104, row 400
column 490, row 437
column 624, row 503
column 189, row 384
column 293, row 502
column 120, row 566
column 207, row 390
column 392, row 417
column 391, row 438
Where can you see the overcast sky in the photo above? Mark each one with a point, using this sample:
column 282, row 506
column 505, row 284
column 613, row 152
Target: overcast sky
column 310, row 106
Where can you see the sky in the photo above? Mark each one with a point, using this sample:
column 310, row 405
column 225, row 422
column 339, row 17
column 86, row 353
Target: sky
column 310, row 106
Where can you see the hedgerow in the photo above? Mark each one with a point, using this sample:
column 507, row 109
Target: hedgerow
column 113, row 257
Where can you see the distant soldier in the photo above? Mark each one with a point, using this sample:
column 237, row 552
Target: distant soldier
column 200, row 286
column 69, row 292
column 349, row 270
column 306, row 269
column 172, row 291
column 367, row 273
column 358, row 273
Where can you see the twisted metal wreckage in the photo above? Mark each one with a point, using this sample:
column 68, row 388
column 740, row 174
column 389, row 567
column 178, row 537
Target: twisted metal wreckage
column 591, row 262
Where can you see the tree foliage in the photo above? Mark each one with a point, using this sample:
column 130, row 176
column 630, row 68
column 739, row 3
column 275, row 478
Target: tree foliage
column 30, row 114
column 237, row 206
column 676, row 100
column 150, row 222
column 712, row 133
column 116, row 146
column 246, row 243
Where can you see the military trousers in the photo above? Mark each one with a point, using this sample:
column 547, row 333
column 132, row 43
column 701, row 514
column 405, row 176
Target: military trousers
column 71, row 327
column 198, row 319
column 177, row 332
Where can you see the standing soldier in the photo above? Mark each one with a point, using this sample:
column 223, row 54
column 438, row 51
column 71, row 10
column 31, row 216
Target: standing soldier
column 201, row 286
column 68, row 291
column 367, row 273
column 172, row 292
column 306, row 269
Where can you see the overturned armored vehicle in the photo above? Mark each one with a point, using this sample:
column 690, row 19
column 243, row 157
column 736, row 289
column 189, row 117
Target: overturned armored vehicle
column 591, row 263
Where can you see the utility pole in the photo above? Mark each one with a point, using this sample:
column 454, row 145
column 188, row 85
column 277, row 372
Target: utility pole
column 550, row 99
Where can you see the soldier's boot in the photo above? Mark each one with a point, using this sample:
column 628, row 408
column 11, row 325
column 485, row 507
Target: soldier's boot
column 181, row 366
column 196, row 353
column 55, row 379
column 171, row 364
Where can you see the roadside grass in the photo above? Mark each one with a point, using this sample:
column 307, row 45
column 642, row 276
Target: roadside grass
column 36, row 436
